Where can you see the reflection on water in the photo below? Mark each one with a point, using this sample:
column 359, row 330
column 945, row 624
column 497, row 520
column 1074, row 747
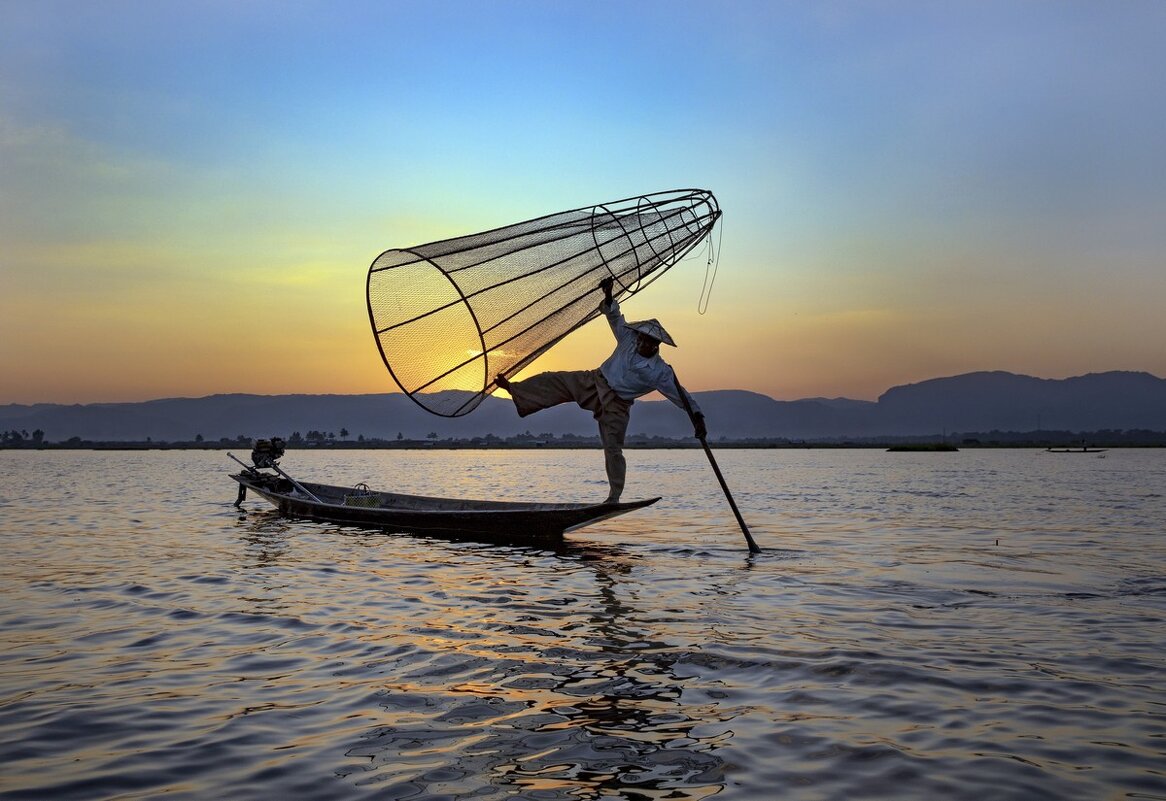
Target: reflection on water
column 970, row 625
column 587, row 709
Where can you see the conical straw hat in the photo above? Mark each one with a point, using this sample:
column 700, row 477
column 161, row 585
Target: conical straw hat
column 653, row 329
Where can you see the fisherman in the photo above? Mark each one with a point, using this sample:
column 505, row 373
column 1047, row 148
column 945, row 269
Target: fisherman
column 633, row 369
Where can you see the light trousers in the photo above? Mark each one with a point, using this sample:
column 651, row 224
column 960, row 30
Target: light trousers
column 589, row 389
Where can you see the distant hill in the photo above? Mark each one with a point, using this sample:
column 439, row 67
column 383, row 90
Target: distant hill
column 1008, row 402
column 974, row 402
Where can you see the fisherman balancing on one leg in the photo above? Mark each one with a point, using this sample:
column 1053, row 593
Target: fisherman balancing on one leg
column 633, row 369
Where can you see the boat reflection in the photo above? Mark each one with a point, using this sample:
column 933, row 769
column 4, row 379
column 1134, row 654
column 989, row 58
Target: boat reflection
column 582, row 702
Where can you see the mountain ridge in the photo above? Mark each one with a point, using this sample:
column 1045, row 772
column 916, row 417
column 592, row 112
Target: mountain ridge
column 970, row 402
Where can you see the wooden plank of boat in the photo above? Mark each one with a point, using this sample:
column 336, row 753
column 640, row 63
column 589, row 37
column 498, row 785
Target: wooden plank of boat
column 509, row 521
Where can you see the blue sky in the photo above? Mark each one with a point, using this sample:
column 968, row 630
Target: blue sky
column 191, row 193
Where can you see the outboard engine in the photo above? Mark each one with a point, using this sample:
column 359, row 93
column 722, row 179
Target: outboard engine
column 267, row 452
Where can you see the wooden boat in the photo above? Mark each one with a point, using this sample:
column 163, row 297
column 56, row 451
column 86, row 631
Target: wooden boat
column 495, row 521
column 927, row 447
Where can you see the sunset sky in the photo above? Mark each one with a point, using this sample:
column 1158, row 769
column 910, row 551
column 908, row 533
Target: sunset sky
column 191, row 192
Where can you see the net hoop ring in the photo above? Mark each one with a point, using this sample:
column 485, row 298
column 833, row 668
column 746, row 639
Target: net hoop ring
column 634, row 287
column 462, row 303
column 641, row 203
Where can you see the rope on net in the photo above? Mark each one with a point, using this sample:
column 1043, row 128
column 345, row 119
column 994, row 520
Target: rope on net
column 450, row 316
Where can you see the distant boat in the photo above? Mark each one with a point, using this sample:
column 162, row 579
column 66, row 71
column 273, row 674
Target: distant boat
column 1082, row 449
column 932, row 447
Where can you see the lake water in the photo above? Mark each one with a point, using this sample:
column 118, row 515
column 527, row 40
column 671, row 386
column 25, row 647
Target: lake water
column 974, row 625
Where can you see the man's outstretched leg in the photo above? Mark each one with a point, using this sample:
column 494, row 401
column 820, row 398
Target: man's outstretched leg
column 550, row 389
column 588, row 389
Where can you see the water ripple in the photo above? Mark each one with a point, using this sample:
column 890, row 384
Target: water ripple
column 983, row 628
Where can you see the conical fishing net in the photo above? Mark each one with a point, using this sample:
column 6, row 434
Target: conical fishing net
column 450, row 316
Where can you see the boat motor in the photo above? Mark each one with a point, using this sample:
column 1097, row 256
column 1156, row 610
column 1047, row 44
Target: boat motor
column 267, row 452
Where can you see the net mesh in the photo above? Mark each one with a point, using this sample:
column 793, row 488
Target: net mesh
column 450, row 316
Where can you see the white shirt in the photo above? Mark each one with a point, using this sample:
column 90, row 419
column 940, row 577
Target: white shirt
column 632, row 375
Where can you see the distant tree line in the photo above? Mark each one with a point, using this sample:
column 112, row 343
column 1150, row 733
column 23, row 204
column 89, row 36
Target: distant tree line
column 317, row 437
column 1113, row 438
column 18, row 439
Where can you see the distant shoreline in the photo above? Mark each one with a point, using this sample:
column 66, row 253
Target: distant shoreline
column 992, row 408
column 903, row 444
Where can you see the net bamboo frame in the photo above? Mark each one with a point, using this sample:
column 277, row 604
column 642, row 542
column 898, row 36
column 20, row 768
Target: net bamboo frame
column 450, row 316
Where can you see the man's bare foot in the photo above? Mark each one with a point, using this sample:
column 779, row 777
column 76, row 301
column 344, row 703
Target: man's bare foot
column 502, row 381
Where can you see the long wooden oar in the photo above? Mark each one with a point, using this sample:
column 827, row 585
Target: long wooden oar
column 716, row 469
